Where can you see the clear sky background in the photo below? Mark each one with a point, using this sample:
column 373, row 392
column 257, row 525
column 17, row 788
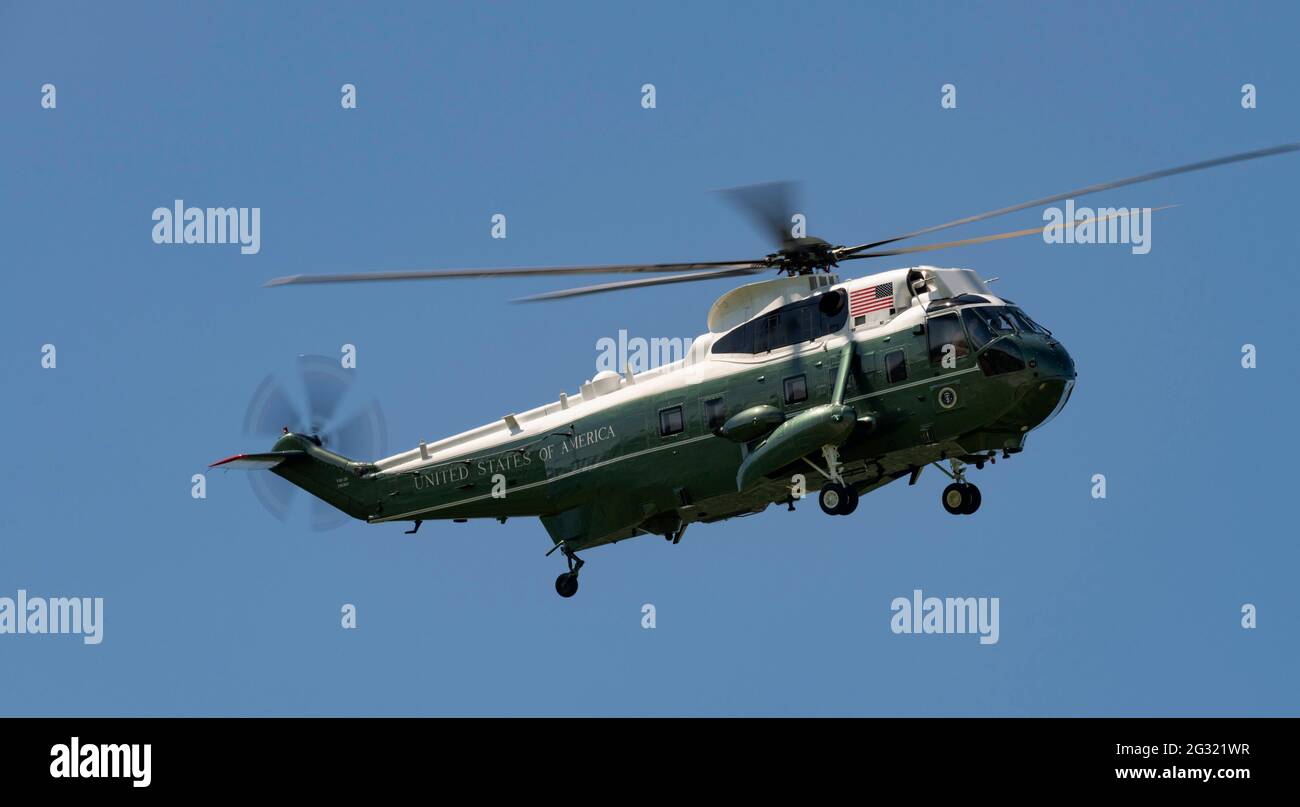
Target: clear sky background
column 1125, row 606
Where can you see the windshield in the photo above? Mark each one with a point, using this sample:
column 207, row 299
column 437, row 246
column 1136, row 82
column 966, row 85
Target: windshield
column 1024, row 323
column 987, row 322
column 995, row 318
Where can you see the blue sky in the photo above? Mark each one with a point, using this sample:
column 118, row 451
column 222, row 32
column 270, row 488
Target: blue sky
column 1123, row 606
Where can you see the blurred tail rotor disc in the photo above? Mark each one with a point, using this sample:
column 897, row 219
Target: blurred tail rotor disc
column 318, row 398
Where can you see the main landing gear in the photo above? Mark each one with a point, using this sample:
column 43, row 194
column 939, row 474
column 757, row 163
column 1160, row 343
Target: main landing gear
column 566, row 585
column 961, row 498
column 836, row 498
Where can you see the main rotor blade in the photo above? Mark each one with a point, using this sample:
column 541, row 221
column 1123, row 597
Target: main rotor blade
column 437, row 274
column 769, row 207
column 1101, row 186
column 742, row 269
column 986, row 238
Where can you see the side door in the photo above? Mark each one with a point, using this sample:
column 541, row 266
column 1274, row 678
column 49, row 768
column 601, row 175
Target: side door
column 948, row 352
column 666, row 474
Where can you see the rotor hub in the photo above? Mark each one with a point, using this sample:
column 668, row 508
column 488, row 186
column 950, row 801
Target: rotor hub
column 804, row 256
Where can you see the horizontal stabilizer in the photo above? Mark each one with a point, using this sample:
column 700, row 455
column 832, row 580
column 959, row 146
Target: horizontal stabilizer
column 257, row 462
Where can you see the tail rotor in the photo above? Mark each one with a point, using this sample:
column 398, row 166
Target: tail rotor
column 318, row 399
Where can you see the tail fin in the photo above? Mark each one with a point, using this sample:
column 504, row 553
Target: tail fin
column 330, row 477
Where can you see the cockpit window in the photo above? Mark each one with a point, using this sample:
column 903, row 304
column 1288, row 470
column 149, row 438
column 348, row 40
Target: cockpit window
column 946, row 330
column 1024, row 323
column 1004, row 357
column 996, row 317
column 987, row 322
column 980, row 332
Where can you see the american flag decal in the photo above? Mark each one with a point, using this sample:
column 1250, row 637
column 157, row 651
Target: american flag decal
column 872, row 298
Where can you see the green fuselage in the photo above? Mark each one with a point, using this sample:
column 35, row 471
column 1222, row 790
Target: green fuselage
column 613, row 474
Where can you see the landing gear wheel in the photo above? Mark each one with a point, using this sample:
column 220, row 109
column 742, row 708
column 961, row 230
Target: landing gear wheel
column 566, row 585
column 832, row 498
column 961, row 498
column 954, row 498
column 850, row 502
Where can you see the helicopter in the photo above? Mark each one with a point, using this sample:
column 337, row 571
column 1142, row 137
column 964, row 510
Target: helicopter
column 853, row 382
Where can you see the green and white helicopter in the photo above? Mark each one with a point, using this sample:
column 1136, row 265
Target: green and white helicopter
column 807, row 378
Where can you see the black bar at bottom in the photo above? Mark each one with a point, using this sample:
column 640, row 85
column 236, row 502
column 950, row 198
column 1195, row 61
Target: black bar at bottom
column 337, row 755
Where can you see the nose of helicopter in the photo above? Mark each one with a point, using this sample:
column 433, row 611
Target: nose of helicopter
column 1051, row 361
column 1047, row 385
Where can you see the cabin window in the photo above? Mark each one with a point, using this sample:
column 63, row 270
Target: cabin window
column 946, row 330
column 670, row 421
column 715, row 413
column 796, row 389
column 895, row 366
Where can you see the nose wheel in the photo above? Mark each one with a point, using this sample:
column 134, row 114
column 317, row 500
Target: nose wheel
column 961, row 498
